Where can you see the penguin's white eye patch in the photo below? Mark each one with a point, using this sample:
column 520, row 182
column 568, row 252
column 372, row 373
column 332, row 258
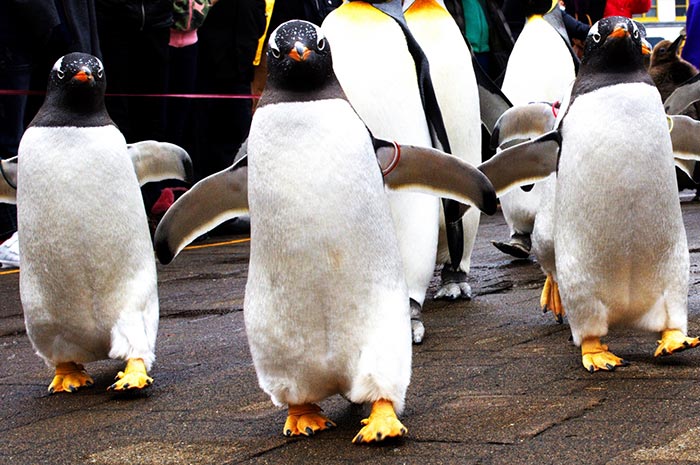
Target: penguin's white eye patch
column 635, row 34
column 596, row 37
column 100, row 68
column 272, row 44
column 321, row 44
column 60, row 74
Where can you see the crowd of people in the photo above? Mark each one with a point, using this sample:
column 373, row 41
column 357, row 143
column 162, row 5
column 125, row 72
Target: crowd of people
column 152, row 48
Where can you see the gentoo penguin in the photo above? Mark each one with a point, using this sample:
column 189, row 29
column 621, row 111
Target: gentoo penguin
column 326, row 304
column 540, row 69
column 518, row 124
column 621, row 251
column 88, row 280
column 456, row 90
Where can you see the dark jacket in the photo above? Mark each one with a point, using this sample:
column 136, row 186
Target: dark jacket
column 586, row 11
column 136, row 14
column 30, row 24
column 228, row 39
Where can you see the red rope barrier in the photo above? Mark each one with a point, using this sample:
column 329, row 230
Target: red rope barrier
column 196, row 96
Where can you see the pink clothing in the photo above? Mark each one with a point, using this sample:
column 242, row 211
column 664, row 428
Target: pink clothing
column 179, row 39
column 626, row 7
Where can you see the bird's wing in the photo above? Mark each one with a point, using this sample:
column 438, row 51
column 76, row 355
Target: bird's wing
column 8, row 181
column 434, row 172
column 210, row 202
column 523, row 163
column 157, row 161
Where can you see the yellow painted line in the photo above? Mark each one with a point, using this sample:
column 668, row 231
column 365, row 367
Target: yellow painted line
column 217, row 244
column 191, row 247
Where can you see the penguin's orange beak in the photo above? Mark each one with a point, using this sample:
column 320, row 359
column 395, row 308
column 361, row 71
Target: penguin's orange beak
column 645, row 49
column 619, row 31
column 299, row 52
column 83, row 76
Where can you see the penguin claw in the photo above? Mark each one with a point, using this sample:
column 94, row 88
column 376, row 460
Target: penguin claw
column 595, row 356
column 551, row 300
column 672, row 341
column 305, row 420
column 134, row 376
column 454, row 284
column 69, row 378
column 417, row 331
column 417, row 328
column 381, row 424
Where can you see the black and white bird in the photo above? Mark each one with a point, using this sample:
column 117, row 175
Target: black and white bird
column 88, row 280
column 326, row 303
column 621, row 255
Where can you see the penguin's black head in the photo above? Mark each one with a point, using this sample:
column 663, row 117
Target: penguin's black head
column 75, row 93
column 299, row 57
column 615, row 43
column 77, row 81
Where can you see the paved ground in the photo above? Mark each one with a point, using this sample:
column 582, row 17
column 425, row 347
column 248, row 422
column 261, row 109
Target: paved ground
column 495, row 382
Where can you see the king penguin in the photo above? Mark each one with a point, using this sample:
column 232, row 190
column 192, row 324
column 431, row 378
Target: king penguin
column 456, row 90
column 326, row 303
column 88, row 280
column 384, row 74
column 540, row 69
column 621, row 253
column 667, row 69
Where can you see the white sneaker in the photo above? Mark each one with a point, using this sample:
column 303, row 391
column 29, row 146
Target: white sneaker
column 9, row 252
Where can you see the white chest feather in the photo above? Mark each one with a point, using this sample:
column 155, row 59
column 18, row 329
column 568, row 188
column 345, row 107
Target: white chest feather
column 87, row 258
column 619, row 236
column 325, row 281
column 453, row 78
column 377, row 73
column 540, row 67
column 315, row 186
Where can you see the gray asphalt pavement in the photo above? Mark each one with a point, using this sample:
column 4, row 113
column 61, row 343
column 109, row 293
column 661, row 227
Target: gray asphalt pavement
column 495, row 382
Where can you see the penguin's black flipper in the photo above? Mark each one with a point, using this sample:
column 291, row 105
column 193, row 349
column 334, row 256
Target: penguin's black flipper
column 523, row 163
column 210, row 202
column 684, row 96
column 492, row 101
column 157, row 161
column 685, row 137
column 8, row 181
column 523, row 122
column 434, row 172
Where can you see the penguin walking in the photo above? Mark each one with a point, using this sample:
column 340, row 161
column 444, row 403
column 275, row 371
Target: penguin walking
column 457, row 94
column 540, row 69
column 516, row 125
column 88, row 280
column 326, row 302
column 621, row 253
column 391, row 90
